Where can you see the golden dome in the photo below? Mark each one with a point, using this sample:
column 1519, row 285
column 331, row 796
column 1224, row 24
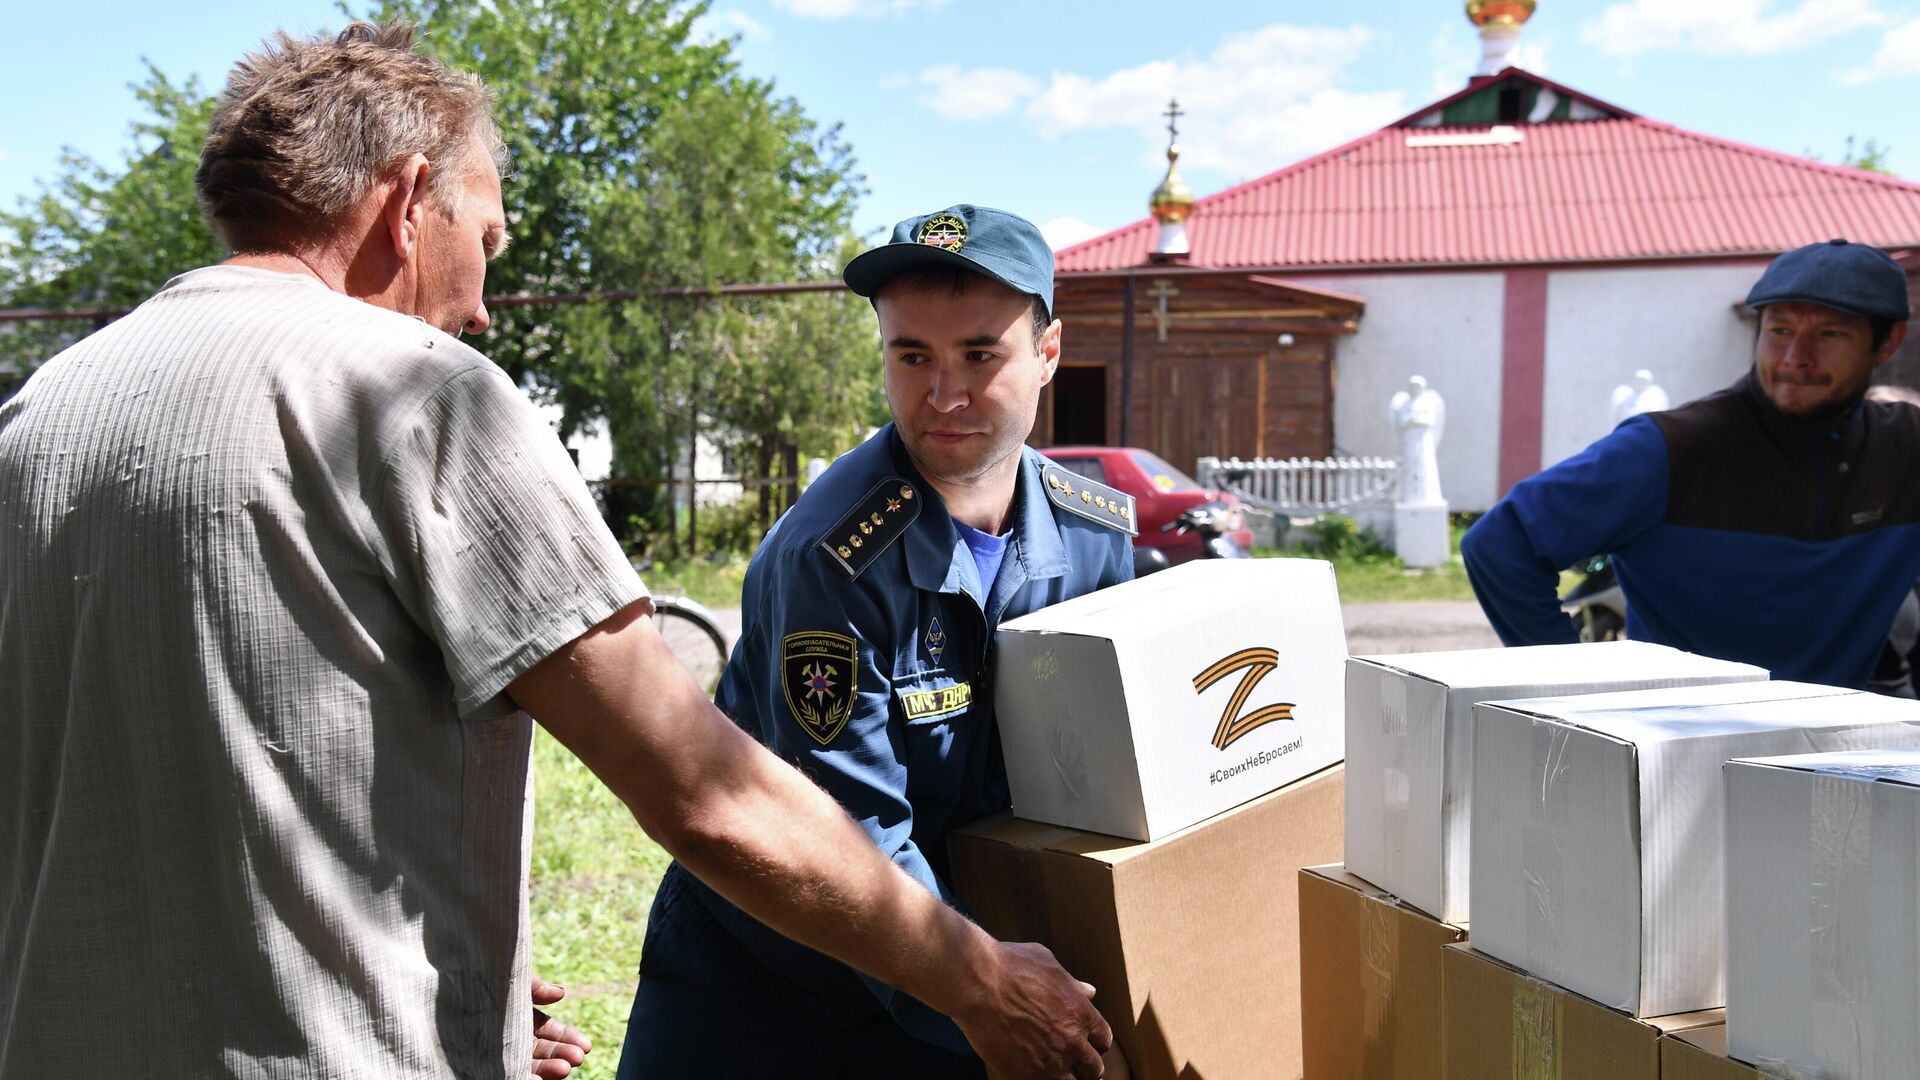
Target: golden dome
column 1501, row 13
column 1173, row 200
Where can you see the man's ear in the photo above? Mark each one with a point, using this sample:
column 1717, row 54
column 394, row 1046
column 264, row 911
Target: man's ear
column 1049, row 352
column 405, row 205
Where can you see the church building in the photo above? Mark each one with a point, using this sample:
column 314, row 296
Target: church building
column 1524, row 246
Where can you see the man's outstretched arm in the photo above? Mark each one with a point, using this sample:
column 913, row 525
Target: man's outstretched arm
column 1593, row 503
column 767, row 839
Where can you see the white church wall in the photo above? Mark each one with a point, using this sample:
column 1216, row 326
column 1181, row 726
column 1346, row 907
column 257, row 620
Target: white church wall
column 1445, row 326
column 1603, row 325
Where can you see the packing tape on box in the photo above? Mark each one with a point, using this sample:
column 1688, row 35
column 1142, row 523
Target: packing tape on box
column 1785, row 1070
column 1379, row 949
column 1839, row 913
column 1536, row 1031
column 1541, row 859
column 1395, row 786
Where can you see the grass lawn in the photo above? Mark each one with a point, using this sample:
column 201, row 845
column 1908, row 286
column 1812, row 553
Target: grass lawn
column 1369, row 580
column 1367, row 574
column 704, row 581
column 594, row 873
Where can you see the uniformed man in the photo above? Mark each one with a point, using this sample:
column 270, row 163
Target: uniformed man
column 866, row 655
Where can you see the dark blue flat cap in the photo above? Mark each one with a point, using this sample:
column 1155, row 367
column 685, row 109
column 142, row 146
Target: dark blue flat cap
column 1002, row 246
column 1856, row 278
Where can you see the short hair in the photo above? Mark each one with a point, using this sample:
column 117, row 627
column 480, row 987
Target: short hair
column 955, row 281
column 307, row 126
column 1879, row 329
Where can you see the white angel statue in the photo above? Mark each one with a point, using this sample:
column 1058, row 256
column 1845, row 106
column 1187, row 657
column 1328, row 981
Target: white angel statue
column 1641, row 397
column 1420, row 415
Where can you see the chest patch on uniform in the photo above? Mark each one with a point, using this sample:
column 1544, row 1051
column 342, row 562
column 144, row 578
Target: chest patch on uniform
column 874, row 523
column 1096, row 502
column 817, row 671
column 936, row 640
column 935, row 702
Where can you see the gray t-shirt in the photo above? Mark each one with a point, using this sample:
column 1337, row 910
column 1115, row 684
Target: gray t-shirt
column 269, row 557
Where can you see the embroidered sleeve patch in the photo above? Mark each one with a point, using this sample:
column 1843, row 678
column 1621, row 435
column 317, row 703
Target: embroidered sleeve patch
column 818, row 671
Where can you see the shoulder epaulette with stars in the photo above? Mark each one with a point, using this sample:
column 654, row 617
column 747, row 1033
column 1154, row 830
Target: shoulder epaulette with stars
column 873, row 524
column 1096, row 502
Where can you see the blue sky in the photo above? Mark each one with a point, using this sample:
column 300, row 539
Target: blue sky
column 1050, row 108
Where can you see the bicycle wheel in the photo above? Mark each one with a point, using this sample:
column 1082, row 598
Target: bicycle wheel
column 695, row 638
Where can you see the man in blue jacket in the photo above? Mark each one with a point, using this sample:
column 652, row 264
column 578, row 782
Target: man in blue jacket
column 1776, row 522
column 866, row 657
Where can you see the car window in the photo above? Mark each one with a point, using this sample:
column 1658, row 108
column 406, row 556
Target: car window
column 1162, row 475
column 1089, row 467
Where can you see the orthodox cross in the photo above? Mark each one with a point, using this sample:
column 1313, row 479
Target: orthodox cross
column 1173, row 115
column 1162, row 292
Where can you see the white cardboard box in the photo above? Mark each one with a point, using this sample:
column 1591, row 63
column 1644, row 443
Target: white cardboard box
column 1143, row 708
column 1599, row 826
column 1823, row 915
column 1410, row 747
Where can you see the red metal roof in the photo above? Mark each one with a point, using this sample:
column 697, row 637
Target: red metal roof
column 1621, row 188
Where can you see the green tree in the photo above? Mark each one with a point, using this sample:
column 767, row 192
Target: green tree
column 644, row 164
column 1871, row 156
column 100, row 237
column 644, row 160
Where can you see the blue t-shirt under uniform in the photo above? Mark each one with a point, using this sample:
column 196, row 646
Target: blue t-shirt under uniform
column 988, row 551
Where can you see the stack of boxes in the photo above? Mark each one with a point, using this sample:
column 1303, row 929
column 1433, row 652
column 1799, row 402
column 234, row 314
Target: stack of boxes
column 1410, row 777
column 1559, row 862
column 1625, row 873
column 1173, row 749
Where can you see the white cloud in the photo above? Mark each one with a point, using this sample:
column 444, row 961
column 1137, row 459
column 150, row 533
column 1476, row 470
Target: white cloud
column 841, row 9
column 1899, row 55
column 1262, row 99
column 1064, row 232
column 974, row 95
column 720, row 25
column 1726, row 27
column 5, row 154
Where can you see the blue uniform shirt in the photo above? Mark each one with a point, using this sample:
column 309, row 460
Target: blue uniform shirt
column 904, row 735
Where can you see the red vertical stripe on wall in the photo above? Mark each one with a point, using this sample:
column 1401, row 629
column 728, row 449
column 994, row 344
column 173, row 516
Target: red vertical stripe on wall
column 1523, row 375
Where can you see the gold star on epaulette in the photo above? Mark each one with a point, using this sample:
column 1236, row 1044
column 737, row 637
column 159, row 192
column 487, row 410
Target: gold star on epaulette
column 1095, row 502
column 872, row 526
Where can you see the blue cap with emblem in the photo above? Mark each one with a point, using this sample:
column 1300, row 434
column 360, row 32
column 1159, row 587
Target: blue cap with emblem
column 1002, row 246
column 1855, row 278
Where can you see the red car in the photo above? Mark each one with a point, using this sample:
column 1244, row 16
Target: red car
column 1160, row 492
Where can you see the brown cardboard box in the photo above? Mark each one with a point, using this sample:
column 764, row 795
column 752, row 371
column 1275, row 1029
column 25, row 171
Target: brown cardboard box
column 1499, row 1023
column 1701, row 1054
column 1192, row 940
column 1370, row 981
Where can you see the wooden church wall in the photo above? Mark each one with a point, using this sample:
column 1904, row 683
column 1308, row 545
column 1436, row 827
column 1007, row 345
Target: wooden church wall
column 1223, row 387
column 1208, row 392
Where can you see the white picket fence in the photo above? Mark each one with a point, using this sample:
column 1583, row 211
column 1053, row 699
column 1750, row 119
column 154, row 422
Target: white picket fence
column 1306, row 487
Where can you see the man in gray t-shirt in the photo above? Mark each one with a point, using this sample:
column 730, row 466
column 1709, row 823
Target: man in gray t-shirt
column 281, row 562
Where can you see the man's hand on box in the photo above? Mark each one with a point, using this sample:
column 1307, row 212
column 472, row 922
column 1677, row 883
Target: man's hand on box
column 557, row 1048
column 1037, row 1022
